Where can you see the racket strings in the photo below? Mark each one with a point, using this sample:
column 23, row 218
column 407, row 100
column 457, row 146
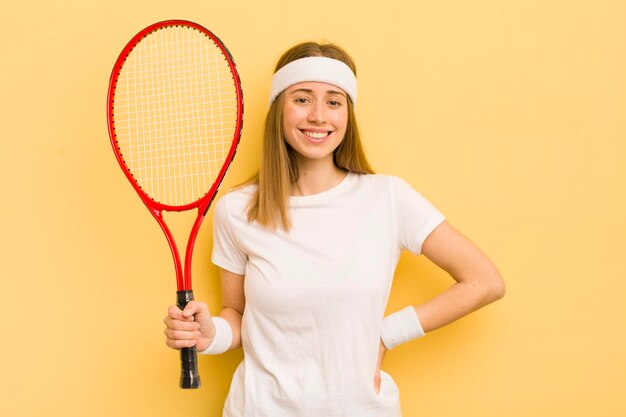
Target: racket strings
column 174, row 114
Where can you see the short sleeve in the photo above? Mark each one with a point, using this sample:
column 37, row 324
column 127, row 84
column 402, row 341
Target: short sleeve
column 227, row 253
column 416, row 217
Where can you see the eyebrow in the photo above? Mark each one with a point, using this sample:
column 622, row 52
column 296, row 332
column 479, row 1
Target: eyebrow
column 328, row 92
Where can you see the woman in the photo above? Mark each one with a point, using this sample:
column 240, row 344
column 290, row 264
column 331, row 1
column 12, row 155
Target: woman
column 307, row 253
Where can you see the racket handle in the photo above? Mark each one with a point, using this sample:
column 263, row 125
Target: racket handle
column 189, row 377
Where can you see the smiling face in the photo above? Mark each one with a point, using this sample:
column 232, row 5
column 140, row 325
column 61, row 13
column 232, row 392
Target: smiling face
column 315, row 116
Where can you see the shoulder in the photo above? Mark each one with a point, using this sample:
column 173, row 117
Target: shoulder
column 241, row 192
column 235, row 200
column 392, row 187
column 379, row 182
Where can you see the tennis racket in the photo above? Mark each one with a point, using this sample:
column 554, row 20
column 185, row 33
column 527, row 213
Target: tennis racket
column 175, row 113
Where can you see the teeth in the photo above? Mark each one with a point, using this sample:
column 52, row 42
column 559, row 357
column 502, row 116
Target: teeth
column 316, row 135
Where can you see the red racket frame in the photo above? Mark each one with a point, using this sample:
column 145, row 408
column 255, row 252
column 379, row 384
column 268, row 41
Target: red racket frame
column 189, row 368
column 183, row 277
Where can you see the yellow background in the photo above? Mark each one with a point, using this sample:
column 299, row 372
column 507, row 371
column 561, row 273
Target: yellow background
column 507, row 115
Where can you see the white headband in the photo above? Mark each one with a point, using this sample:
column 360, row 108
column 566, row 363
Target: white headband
column 314, row 68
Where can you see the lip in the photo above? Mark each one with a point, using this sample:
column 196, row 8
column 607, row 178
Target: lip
column 313, row 139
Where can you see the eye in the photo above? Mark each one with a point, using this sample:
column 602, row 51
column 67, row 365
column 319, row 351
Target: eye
column 334, row 103
column 301, row 100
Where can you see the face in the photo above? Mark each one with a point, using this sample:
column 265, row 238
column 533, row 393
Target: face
column 315, row 116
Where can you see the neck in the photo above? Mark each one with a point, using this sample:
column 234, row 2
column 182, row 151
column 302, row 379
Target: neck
column 316, row 177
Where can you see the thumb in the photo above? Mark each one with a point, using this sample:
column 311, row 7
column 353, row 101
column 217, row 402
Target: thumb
column 377, row 382
column 195, row 309
column 382, row 350
column 190, row 309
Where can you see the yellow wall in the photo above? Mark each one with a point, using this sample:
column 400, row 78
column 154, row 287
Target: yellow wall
column 508, row 115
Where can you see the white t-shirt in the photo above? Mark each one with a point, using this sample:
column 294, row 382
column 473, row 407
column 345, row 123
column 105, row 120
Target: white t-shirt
column 316, row 296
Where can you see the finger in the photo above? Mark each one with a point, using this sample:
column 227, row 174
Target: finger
column 196, row 308
column 179, row 344
column 181, row 334
column 175, row 313
column 377, row 382
column 176, row 324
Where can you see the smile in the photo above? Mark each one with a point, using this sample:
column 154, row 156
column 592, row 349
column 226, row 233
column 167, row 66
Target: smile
column 315, row 135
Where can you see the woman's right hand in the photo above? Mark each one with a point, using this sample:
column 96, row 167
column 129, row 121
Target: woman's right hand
column 192, row 326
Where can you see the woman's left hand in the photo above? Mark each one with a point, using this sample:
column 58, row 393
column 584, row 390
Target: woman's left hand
column 382, row 350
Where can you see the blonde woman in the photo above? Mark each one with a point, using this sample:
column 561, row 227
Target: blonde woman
column 307, row 253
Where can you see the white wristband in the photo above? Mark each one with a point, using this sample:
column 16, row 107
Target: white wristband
column 400, row 327
column 223, row 337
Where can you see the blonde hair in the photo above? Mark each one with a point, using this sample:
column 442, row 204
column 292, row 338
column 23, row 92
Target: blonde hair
column 279, row 170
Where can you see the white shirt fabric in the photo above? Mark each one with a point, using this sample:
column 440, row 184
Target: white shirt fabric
column 316, row 296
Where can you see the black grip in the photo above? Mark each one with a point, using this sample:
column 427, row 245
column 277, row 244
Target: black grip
column 189, row 377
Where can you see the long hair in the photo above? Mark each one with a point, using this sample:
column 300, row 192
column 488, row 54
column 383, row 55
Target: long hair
column 278, row 169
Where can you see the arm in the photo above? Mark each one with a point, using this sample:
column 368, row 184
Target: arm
column 233, row 303
column 194, row 326
column 478, row 282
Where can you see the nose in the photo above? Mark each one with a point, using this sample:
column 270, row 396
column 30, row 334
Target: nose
column 317, row 113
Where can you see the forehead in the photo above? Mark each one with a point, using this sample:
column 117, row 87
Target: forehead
column 316, row 87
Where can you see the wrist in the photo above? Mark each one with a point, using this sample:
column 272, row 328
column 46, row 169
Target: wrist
column 401, row 327
column 222, row 337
